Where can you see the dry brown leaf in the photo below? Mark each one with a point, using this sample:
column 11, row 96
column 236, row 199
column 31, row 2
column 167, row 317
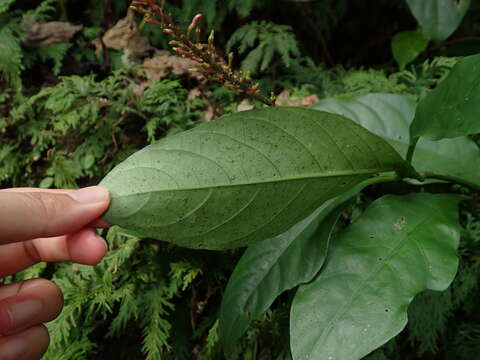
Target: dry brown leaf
column 245, row 105
column 209, row 111
column 120, row 34
column 50, row 33
column 286, row 99
column 164, row 63
column 125, row 35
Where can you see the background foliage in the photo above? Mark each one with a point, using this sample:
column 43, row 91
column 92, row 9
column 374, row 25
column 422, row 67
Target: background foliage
column 70, row 111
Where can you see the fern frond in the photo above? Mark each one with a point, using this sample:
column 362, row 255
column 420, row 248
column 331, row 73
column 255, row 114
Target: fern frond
column 155, row 325
column 244, row 7
column 11, row 55
column 79, row 348
column 428, row 317
column 43, row 12
column 268, row 40
column 253, row 60
column 214, row 14
column 5, row 5
column 182, row 275
column 245, row 37
column 56, row 53
column 128, row 310
column 466, row 345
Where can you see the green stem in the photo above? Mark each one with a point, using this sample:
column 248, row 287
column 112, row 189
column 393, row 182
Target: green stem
column 384, row 178
column 411, row 150
column 451, row 179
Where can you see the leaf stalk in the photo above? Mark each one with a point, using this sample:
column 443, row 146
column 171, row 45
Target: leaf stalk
column 411, row 150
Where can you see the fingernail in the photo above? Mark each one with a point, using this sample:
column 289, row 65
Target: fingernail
column 14, row 348
column 92, row 194
column 103, row 240
column 19, row 314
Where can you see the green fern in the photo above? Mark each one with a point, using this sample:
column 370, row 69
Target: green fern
column 55, row 52
column 43, row 12
column 213, row 11
column 155, row 323
column 11, row 55
column 165, row 104
column 13, row 58
column 428, row 317
column 5, row 5
column 267, row 40
column 466, row 344
column 244, row 7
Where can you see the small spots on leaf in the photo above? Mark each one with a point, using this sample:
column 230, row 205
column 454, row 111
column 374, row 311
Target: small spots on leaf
column 400, row 224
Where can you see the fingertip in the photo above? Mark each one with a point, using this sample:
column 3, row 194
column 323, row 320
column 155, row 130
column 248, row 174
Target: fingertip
column 92, row 194
column 86, row 247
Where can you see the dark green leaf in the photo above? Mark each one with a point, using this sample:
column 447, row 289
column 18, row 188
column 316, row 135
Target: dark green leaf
column 407, row 45
column 398, row 248
column 246, row 177
column 439, row 18
column 390, row 116
column 453, row 108
column 270, row 267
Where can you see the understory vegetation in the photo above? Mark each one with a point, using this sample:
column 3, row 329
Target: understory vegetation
column 80, row 96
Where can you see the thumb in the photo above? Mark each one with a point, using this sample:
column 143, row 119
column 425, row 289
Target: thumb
column 29, row 215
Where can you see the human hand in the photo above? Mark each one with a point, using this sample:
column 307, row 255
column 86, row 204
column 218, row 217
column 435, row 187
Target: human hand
column 42, row 225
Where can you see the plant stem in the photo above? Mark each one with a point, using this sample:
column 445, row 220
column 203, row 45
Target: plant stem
column 384, row 178
column 219, row 70
column 451, row 179
column 411, row 150
column 392, row 177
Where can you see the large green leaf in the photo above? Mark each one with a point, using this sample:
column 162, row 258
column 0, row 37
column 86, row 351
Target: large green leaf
column 399, row 247
column 243, row 178
column 407, row 45
column 439, row 18
column 270, row 267
column 390, row 116
column 453, row 108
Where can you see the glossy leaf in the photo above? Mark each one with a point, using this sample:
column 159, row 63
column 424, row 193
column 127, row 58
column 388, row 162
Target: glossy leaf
column 407, row 45
column 439, row 18
column 390, row 116
column 398, row 248
column 273, row 266
column 453, row 108
column 243, row 178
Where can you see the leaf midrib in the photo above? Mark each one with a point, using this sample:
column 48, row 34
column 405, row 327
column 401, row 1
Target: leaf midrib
column 262, row 182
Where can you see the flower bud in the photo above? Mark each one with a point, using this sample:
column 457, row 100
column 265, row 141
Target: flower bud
column 211, row 39
column 196, row 20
